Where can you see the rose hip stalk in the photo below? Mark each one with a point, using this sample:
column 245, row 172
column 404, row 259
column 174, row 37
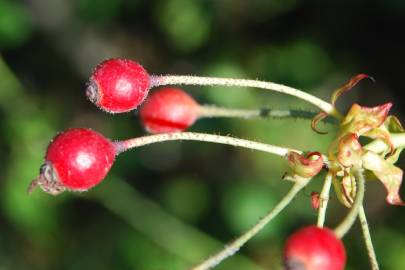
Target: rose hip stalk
column 78, row 158
column 171, row 109
column 120, row 85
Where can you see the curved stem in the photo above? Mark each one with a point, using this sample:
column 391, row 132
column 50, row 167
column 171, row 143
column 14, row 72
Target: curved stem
column 378, row 146
column 324, row 199
column 122, row 146
column 235, row 245
column 214, row 111
column 347, row 223
column 367, row 239
column 158, row 80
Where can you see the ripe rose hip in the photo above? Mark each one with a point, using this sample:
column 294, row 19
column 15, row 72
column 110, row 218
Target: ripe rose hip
column 76, row 159
column 168, row 110
column 314, row 248
column 118, row 85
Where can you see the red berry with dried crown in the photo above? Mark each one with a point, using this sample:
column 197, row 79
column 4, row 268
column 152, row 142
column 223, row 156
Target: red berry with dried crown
column 314, row 248
column 118, row 85
column 76, row 160
column 168, row 110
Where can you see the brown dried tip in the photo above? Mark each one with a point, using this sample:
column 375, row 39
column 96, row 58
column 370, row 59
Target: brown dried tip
column 47, row 181
column 92, row 92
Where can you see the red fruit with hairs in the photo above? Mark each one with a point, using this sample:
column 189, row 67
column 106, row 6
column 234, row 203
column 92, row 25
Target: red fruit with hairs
column 76, row 160
column 118, row 85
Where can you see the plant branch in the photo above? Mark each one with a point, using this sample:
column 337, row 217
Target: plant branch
column 367, row 239
column 214, row 111
column 158, row 80
column 122, row 146
column 235, row 245
column 324, row 199
column 347, row 223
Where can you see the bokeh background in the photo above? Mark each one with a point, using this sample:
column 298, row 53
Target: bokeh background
column 170, row 205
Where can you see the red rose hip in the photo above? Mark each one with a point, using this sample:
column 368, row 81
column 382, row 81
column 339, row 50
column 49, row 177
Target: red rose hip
column 118, row 85
column 314, row 248
column 76, row 160
column 168, row 110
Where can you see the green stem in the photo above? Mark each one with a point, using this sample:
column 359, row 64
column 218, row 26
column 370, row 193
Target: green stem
column 203, row 137
column 347, row 223
column 157, row 80
column 214, row 111
column 378, row 146
column 367, row 239
column 235, row 245
column 324, row 199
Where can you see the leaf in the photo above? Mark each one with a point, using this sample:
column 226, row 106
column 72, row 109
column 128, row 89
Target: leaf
column 305, row 166
column 349, row 85
column 387, row 173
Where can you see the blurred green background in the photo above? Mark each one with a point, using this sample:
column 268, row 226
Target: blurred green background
column 168, row 206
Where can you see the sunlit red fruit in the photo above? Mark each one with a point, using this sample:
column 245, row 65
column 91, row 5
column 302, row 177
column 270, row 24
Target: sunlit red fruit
column 118, row 85
column 314, row 248
column 77, row 160
column 168, row 110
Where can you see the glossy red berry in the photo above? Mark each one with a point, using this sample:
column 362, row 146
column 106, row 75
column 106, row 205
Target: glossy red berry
column 76, row 160
column 314, row 248
column 118, row 85
column 168, row 110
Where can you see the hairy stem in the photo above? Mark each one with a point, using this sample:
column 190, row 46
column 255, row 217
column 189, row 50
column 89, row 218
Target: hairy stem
column 122, row 146
column 214, row 111
column 235, row 245
column 157, row 80
column 367, row 239
column 347, row 223
column 324, row 199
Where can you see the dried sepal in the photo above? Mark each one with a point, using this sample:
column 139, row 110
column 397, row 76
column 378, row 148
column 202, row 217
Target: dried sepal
column 395, row 156
column 349, row 85
column 393, row 124
column 315, row 200
column 337, row 185
column 387, row 173
column 305, row 166
column 319, row 117
column 349, row 151
column 383, row 134
column 349, row 188
column 361, row 120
